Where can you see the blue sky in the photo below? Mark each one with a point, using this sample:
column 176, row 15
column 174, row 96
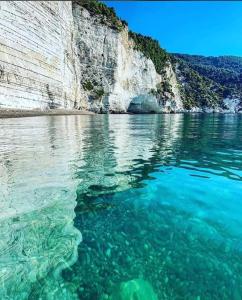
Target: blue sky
column 202, row 27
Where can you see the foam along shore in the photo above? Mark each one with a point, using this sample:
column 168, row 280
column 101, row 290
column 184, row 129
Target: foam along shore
column 18, row 113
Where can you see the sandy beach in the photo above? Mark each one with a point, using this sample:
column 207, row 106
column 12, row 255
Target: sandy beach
column 18, row 113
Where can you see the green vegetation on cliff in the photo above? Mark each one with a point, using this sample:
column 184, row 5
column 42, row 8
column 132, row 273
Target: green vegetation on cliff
column 203, row 81
column 151, row 49
column 220, row 77
column 196, row 89
column 107, row 14
column 213, row 67
column 148, row 46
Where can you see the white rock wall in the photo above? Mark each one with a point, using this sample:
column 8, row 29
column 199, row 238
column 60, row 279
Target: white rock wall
column 110, row 64
column 231, row 105
column 53, row 55
column 97, row 47
column 37, row 68
column 175, row 103
column 134, row 76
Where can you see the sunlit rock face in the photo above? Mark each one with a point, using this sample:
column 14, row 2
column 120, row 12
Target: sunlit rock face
column 135, row 75
column 37, row 68
column 114, row 75
column 232, row 105
column 56, row 55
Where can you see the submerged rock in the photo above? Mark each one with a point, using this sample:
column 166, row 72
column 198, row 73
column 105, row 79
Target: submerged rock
column 136, row 289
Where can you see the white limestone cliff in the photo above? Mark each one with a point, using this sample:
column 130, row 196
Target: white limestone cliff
column 56, row 55
column 113, row 73
column 37, row 61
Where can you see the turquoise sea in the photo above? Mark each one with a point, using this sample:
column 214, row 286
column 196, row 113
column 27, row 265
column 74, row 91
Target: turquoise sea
column 121, row 207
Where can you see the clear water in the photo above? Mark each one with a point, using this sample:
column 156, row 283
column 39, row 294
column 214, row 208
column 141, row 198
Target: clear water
column 90, row 202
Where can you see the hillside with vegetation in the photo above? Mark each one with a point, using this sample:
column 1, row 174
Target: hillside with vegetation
column 220, row 77
column 203, row 81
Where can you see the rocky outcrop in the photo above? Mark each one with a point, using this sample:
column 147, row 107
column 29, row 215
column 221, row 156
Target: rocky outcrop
column 134, row 289
column 115, row 76
column 232, row 105
column 54, row 54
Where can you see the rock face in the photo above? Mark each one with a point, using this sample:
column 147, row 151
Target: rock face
column 56, row 55
column 37, row 65
column 232, row 105
column 116, row 77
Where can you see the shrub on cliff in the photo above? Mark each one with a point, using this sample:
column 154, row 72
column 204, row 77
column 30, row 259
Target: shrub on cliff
column 196, row 89
column 107, row 14
column 151, row 49
column 225, row 71
column 148, row 46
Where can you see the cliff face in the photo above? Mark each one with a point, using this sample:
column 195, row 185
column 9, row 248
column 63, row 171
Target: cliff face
column 56, row 55
column 112, row 73
column 115, row 77
column 37, row 63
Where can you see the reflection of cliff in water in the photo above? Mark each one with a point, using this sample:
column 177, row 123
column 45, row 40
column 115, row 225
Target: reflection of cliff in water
column 37, row 236
column 44, row 161
column 121, row 152
column 143, row 233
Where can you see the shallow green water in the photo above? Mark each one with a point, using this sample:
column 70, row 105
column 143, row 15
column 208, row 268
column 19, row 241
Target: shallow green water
column 155, row 199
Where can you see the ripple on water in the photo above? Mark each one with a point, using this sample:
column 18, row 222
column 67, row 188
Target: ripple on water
column 156, row 198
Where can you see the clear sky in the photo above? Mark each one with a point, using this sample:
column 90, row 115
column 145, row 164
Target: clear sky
column 202, row 27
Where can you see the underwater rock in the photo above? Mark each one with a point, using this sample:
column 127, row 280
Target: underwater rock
column 136, row 289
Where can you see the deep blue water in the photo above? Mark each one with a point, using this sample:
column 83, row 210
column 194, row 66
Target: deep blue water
column 155, row 199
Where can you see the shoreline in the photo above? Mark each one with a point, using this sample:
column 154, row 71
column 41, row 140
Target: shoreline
column 20, row 113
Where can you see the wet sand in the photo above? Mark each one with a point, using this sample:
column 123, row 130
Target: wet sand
column 18, row 113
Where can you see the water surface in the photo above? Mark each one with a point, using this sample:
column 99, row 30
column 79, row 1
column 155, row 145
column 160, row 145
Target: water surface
column 91, row 202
